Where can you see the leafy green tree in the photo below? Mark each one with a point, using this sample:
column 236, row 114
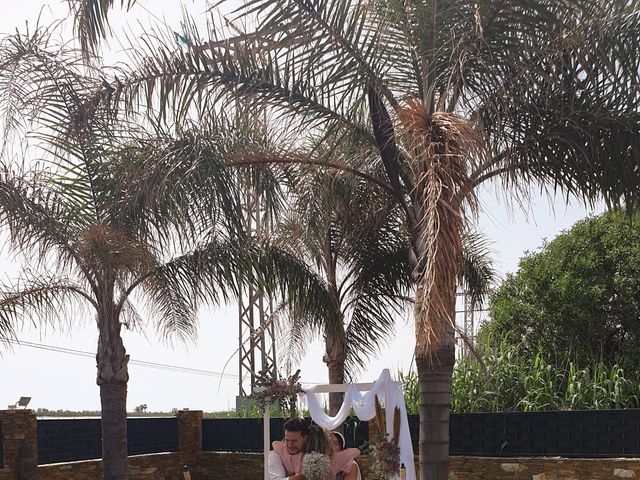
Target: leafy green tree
column 444, row 95
column 577, row 298
column 110, row 211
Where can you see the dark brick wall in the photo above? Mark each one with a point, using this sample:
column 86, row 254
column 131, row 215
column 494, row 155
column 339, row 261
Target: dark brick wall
column 593, row 433
column 604, row 433
column 1, row 451
column 152, row 435
column 356, row 432
column 64, row 440
column 237, row 434
column 245, row 434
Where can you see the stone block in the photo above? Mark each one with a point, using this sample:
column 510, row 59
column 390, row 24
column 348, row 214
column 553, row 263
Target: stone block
column 512, row 467
column 623, row 473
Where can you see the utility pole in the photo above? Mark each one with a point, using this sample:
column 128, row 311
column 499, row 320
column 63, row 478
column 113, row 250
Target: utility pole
column 256, row 338
column 468, row 317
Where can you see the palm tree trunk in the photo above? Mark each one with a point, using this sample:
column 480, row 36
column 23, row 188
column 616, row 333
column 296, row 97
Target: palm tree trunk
column 112, row 378
column 334, row 357
column 113, row 399
column 434, row 375
column 336, row 376
column 435, row 311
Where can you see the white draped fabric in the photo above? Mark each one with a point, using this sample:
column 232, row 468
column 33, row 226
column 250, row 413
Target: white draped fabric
column 389, row 393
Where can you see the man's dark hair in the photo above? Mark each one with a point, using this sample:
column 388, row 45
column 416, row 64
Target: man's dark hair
column 297, row 425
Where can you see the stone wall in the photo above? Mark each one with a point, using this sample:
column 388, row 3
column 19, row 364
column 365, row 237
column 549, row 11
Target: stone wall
column 189, row 431
column 248, row 466
column 157, row 466
column 542, row 468
column 20, row 443
column 19, row 429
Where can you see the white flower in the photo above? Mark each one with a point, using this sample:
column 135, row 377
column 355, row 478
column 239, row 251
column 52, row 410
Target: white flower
column 316, row 466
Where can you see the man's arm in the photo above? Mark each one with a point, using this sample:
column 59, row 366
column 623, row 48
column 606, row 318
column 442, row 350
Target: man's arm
column 276, row 468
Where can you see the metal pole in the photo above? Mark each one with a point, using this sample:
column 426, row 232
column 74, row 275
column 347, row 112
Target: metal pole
column 266, row 427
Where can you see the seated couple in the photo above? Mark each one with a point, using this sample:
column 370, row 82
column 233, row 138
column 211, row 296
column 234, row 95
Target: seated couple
column 285, row 460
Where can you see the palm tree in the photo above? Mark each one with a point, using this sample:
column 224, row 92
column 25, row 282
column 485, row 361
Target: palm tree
column 111, row 214
column 446, row 95
column 349, row 231
column 345, row 231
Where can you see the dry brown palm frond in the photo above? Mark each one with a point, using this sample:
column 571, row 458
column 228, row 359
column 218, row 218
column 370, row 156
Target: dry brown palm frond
column 102, row 248
column 444, row 150
column 380, row 421
column 396, row 425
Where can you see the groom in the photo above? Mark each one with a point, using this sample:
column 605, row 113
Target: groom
column 287, row 465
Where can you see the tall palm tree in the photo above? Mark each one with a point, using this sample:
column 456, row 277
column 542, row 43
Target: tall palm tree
column 111, row 214
column 446, row 94
column 338, row 224
column 349, row 230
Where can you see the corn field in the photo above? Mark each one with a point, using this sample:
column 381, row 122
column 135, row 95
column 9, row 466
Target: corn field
column 505, row 379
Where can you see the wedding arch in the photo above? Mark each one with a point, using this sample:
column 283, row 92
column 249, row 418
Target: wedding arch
column 360, row 397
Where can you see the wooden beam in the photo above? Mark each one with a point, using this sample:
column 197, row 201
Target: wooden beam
column 342, row 387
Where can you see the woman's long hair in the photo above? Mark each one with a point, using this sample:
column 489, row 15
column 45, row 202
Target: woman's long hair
column 318, row 441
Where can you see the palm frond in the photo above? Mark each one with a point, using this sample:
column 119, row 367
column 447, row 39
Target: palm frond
column 443, row 147
column 567, row 115
column 46, row 92
column 477, row 274
column 36, row 299
column 38, row 222
column 177, row 288
column 371, row 327
column 91, row 22
column 168, row 184
column 295, row 333
column 219, row 72
column 215, row 272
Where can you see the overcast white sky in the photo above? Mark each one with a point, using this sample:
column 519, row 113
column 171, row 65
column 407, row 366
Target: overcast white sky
column 65, row 381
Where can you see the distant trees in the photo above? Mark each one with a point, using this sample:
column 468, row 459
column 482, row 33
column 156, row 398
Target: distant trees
column 577, row 299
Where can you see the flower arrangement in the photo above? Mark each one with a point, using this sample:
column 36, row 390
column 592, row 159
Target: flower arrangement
column 316, row 466
column 386, row 459
column 271, row 389
column 386, row 453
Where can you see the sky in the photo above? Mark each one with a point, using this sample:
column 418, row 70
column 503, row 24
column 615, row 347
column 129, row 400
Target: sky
column 190, row 376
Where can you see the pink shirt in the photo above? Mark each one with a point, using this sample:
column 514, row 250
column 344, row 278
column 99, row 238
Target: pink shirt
column 340, row 461
column 292, row 463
